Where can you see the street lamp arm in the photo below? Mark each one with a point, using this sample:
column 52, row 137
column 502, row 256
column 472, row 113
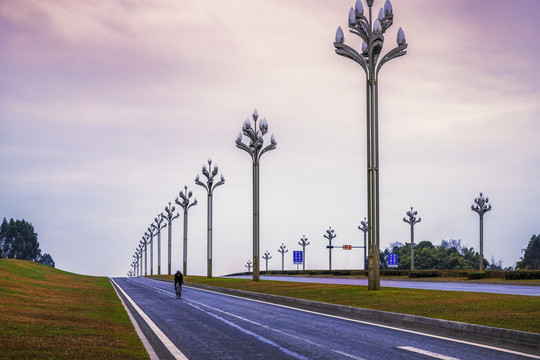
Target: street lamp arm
column 272, row 146
column 241, row 145
column 221, row 182
column 392, row 54
column 349, row 52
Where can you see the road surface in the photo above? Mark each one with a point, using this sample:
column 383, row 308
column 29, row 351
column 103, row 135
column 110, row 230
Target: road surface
column 208, row 325
column 426, row 285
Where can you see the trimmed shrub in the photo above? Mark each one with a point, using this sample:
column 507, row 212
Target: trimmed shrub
column 423, row 274
column 477, row 275
column 522, row 275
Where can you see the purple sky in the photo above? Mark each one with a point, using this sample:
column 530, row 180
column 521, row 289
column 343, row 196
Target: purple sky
column 108, row 108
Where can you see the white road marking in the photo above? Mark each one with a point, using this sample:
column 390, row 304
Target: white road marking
column 428, row 353
column 146, row 343
column 382, row 326
column 164, row 339
column 246, row 331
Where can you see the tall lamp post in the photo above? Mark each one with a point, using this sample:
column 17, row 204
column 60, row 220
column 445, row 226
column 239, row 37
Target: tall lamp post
column 209, row 186
column 371, row 32
column 255, row 149
column 303, row 243
column 282, row 250
column 150, row 235
column 157, row 225
column 185, row 195
column 329, row 235
column 364, row 228
column 144, row 243
column 266, row 257
column 248, row 265
column 481, row 207
column 411, row 220
column 170, row 215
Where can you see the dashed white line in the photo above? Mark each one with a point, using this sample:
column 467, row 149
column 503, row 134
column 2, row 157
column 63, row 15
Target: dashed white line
column 428, row 353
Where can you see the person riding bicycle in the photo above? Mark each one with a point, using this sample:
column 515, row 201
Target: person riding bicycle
column 178, row 281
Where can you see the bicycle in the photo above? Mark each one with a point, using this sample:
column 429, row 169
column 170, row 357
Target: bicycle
column 178, row 290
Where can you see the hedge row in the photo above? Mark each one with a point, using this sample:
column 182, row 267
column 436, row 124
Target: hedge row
column 522, row 275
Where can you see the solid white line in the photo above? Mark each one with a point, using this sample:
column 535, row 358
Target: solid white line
column 146, row 343
column 164, row 339
column 428, row 353
column 379, row 325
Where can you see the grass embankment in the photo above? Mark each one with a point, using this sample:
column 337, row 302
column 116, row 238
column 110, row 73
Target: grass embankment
column 498, row 310
column 46, row 313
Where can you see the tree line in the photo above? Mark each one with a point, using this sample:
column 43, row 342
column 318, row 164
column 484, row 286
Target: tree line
column 18, row 240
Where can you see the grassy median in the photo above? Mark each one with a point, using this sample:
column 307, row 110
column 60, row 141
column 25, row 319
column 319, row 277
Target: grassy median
column 46, row 313
column 505, row 311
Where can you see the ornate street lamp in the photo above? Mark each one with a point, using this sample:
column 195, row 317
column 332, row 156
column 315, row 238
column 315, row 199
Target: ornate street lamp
column 303, row 243
column 157, row 225
column 481, row 207
column 364, row 228
column 169, row 215
column 370, row 59
column 255, row 149
column 282, row 250
column 330, row 235
column 248, row 265
column 411, row 220
column 144, row 243
column 266, row 257
column 186, row 205
column 150, row 236
column 209, row 186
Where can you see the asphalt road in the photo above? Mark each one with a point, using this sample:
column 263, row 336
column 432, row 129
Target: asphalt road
column 426, row 285
column 207, row 325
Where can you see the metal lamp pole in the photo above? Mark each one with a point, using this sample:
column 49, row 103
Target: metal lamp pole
column 150, row 235
column 411, row 221
column 266, row 257
column 255, row 149
column 481, row 207
column 282, row 250
column 169, row 215
column 144, row 243
column 186, row 205
column 209, row 186
column 157, row 225
column 330, row 235
column 364, row 228
column 303, row 242
column 370, row 60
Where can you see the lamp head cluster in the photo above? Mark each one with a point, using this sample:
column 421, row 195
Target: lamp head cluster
column 256, row 147
column 372, row 35
column 210, row 174
column 169, row 213
column 363, row 225
column 184, row 199
column 481, row 205
column 330, row 233
column 303, row 241
column 412, row 217
column 266, row 255
column 282, row 249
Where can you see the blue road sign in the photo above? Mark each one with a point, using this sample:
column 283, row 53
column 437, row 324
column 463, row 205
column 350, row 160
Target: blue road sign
column 297, row 257
column 392, row 260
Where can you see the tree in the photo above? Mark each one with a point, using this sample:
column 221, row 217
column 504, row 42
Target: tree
column 46, row 259
column 18, row 240
column 531, row 255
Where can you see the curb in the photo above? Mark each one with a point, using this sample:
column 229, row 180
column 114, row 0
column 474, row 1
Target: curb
column 504, row 338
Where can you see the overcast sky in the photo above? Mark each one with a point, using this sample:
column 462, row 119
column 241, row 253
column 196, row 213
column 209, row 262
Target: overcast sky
column 108, row 108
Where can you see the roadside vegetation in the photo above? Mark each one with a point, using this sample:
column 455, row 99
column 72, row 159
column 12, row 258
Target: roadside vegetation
column 46, row 313
column 505, row 311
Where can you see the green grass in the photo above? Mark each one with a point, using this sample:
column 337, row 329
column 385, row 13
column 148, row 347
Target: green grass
column 498, row 310
column 46, row 313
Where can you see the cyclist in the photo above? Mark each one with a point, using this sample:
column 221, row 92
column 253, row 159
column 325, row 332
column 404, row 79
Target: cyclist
column 178, row 281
